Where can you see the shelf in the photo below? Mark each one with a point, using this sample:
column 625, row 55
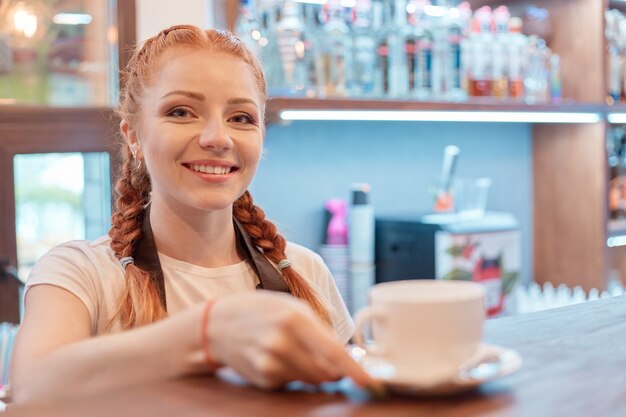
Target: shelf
column 284, row 109
column 493, row 3
column 616, row 113
column 616, row 231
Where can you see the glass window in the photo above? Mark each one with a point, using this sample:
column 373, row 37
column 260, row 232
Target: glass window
column 58, row 52
column 59, row 197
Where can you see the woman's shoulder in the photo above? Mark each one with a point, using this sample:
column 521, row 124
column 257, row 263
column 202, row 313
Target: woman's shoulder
column 87, row 269
column 81, row 252
column 101, row 245
column 296, row 250
column 302, row 256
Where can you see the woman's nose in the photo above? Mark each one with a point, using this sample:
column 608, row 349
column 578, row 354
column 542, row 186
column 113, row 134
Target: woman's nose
column 215, row 136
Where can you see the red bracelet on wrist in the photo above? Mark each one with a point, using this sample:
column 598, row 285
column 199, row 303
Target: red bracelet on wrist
column 204, row 337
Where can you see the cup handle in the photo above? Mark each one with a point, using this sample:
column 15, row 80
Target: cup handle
column 363, row 317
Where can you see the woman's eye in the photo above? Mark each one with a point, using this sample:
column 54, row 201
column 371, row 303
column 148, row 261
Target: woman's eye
column 242, row 119
column 179, row 112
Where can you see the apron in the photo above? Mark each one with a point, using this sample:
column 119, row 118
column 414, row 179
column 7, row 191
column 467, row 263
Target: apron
column 147, row 258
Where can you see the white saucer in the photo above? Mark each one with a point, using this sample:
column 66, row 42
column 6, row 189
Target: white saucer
column 490, row 362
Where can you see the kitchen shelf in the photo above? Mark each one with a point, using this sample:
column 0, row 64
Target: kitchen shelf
column 277, row 105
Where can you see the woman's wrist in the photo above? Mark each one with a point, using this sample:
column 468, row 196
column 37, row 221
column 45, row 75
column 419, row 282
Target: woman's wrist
column 195, row 355
column 205, row 341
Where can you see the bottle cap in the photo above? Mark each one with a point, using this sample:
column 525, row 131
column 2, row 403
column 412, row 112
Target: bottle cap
column 360, row 193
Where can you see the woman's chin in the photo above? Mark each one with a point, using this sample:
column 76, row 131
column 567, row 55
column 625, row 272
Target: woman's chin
column 215, row 204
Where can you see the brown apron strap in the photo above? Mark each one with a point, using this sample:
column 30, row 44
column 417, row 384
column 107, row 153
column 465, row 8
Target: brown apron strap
column 147, row 258
column 269, row 276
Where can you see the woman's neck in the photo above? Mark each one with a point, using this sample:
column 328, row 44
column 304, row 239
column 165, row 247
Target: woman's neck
column 195, row 236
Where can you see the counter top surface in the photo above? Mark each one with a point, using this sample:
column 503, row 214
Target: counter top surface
column 574, row 365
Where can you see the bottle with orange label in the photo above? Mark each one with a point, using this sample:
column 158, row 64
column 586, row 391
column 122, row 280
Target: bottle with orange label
column 499, row 68
column 336, row 50
column 517, row 55
column 481, row 48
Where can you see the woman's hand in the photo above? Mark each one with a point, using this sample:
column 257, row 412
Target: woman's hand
column 271, row 338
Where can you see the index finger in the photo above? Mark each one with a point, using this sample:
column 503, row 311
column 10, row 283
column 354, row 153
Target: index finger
column 350, row 368
column 326, row 345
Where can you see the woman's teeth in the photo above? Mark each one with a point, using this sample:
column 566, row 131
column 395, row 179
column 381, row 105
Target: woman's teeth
column 211, row 170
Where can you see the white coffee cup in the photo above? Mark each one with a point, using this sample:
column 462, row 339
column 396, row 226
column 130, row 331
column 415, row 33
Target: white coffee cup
column 425, row 329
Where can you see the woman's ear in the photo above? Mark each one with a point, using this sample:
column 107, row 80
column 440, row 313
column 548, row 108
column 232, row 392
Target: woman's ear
column 131, row 138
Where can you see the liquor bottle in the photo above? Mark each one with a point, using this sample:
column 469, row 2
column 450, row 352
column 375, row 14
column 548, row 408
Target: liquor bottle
column 424, row 54
column 363, row 49
column 269, row 53
column 248, row 28
column 290, row 30
column 536, row 80
column 499, row 74
column 620, row 180
column 517, row 56
column 411, row 48
column 441, row 48
column 555, row 79
column 336, row 49
column 382, row 21
column 453, row 69
column 401, row 49
column 391, row 50
column 622, row 53
column 614, row 67
column 312, row 50
column 481, row 40
column 465, row 19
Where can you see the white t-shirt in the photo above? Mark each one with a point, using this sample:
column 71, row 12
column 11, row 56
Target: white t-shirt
column 91, row 271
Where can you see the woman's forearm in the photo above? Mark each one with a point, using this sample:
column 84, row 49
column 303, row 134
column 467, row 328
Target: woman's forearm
column 159, row 351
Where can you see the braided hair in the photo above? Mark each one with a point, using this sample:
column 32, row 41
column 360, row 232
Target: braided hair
column 265, row 235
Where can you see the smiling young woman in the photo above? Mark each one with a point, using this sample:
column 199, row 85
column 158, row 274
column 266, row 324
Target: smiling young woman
column 192, row 275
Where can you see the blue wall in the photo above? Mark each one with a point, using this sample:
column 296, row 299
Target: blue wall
column 306, row 163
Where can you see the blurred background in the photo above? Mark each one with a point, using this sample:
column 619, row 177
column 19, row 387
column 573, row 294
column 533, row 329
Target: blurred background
column 406, row 139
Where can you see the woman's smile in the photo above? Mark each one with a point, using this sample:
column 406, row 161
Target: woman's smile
column 213, row 172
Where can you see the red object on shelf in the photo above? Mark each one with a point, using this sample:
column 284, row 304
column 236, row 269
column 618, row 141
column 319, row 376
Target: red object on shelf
column 489, row 273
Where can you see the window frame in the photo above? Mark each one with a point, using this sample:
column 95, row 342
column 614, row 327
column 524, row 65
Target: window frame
column 44, row 129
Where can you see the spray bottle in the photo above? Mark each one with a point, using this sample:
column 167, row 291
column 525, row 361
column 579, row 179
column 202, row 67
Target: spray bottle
column 361, row 245
column 334, row 251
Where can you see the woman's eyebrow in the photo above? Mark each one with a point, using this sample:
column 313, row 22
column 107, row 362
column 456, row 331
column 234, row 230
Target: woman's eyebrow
column 190, row 94
column 242, row 100
column 200, row 97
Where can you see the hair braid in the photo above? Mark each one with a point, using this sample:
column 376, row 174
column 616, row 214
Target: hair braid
column 265, row 235
column 139, row 301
